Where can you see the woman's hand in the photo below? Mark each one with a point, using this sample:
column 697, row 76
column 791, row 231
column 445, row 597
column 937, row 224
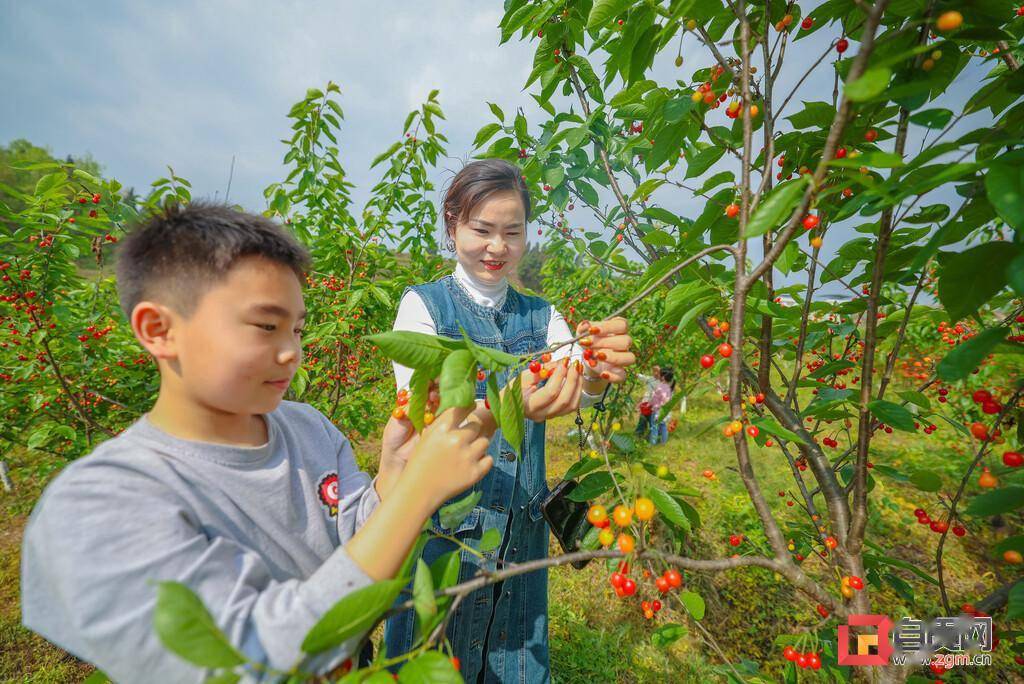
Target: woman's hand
column 559, row 396
column 610, row 342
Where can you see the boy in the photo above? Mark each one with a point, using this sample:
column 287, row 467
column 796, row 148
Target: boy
column 256, row 504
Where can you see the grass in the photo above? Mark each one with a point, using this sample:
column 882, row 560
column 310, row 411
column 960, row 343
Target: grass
column 596, row 637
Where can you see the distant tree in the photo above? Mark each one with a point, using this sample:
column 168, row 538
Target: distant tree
column 529, row 267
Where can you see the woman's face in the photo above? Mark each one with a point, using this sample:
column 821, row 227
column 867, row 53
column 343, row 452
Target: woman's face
column 491, row 240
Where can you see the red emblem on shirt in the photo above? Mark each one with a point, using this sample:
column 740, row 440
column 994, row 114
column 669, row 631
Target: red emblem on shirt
column 328, row 491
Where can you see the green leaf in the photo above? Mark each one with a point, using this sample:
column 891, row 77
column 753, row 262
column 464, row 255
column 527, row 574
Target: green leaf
column 603, row 11
column 582, row 467
column 676, row 108
column 667, row 634
column 423, row 593
column 187, row 629
column 432, row 667
column 444, row 571
column 779, row 204
column 453, row 514
column 496, row 110
column 1015, row 602
column 872, row 82
column 876, row 160
column 670, row 508
column 412, row 349
column 916, row 398
column 703, row 160
column 352, row 615
column 965, row 357
column 490, row 541
column 592, row 486
column 932, row 118
column 968, row 279
column 892, row 414
column 513, row 426
column 1004, row 185
column 485, row 134
column 646, row 188
column 458, row 380
column 694, row 604
column 926, row 480
column 414, row 554
column 419, row 387
column 997, row 501
column 97, row 677
column 773, row 428
column 1015, row 275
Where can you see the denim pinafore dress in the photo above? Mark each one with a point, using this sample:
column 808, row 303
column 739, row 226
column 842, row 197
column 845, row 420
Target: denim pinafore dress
column 499, row 632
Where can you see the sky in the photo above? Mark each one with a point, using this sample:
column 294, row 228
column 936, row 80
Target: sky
column 191, row 85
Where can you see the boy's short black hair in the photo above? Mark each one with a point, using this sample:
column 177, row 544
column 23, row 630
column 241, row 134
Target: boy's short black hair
column 180, row 252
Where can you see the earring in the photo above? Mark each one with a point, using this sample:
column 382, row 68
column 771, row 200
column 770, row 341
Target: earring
column 449, row 244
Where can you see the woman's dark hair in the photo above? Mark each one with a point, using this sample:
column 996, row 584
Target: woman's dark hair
column 182, row 250
column 669, row 377
column 477, row 181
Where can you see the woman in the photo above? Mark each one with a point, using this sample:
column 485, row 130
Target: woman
column 500, row 632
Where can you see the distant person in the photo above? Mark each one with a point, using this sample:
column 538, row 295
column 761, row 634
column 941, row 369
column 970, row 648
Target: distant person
column 659, row 397
column 643, row 425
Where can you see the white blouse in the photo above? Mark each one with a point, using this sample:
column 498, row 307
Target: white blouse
column 413, row 316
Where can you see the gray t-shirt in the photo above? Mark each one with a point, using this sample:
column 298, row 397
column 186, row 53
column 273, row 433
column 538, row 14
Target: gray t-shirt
column 256, row 532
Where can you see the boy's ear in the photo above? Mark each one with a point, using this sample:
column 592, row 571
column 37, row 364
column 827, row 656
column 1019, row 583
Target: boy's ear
column 153, row 325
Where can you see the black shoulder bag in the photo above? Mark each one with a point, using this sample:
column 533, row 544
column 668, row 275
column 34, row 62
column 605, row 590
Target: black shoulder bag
column 568, row 518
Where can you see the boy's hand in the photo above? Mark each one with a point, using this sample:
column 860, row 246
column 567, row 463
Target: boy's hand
column 559, row 396
column 610, row 342
column 451, row 454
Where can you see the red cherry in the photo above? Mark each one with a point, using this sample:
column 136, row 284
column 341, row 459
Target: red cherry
column 96, row 198
column 841, row 45
column 801, row 660
column 752, row 430
column 735, row 540
column 731, row 210
column 871, row 135
column 981, row 396
column 674, row 578
column 811, row 222
column 617, row 579
column 1013, row 459
column 481, row 376
column 959, row 530
column 725, row 350
column 856, row 582
column 822, row 611
column 707, row 361
column 789, row 653
column 919, row 512
column 655, row 605
column 813, row 661
column 628, row 587
column 991, row 407
column 662, row 584
column 939, row 526
column 535, row 366
column 807, row 23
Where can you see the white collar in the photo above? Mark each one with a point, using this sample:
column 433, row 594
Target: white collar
column 485, row 294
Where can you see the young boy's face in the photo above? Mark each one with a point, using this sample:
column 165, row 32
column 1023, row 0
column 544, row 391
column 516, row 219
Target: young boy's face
column 238, row 351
